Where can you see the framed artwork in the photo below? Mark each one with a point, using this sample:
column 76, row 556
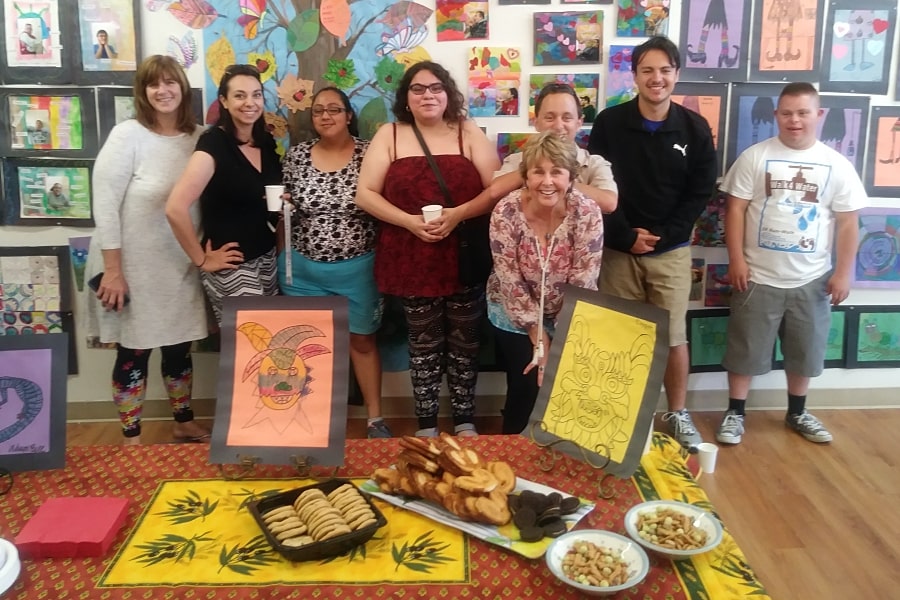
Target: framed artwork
column 116, row 104
column 698, row 276
column 568, row 38
column 510, row 143
column 36, row 294
column 718, row 286
column 709, row 229
column 709, row 100
column 874, row 337
column 109, row 41
column 858, row 46
column 715, row 36
column 461, row 20
column 602, row 343
column 836, row 350
column 48, row 122
column 619, row 78
column 42, row 192
column 878, row 256
column 788, row 38
column 521, row 2
column 882, row 173
column 642, row 19
column 843, row 126
column 36, row 43
column 494, row 78
column 707, row 332
column 33, row 402
column 586, row 85
column 283, row 381
column 752, row 116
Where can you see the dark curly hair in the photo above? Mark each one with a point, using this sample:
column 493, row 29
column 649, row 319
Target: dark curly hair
column 456, row 102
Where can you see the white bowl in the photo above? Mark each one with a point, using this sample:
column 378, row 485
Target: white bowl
column 701, row 519
column 634, row 555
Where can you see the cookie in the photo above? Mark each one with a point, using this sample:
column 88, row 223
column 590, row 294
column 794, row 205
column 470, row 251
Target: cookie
column 276, row 514
column 297, row 542
column 335, row 531
column 291, row 533
column 364, row 524
column 286, row 524
column 347, row 487
column 555, row 528
column 569, row 505
column 531, row 534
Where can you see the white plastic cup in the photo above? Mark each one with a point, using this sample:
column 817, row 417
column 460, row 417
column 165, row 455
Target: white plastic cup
column 273, row 197
column 432, row 212
column 706, row 454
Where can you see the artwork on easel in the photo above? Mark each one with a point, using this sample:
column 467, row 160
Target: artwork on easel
column 882, row 174
column 568, row 38
column 843, row 126
column 878, row 255
column 874, row 337
column 619, row 77
column 752, row 116
column 494, row 78
column 642, row 19
column 788, row 38
column 707, row 339
column 33, row 402
column 602, row 343
column 283, row 377
column 858, row 46
column 715, row 37
column 708, row 100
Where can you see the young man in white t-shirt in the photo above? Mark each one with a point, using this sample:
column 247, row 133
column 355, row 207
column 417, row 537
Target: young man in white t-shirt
column 792, row 202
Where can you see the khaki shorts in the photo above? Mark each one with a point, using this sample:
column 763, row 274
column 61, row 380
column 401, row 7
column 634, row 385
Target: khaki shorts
column 663, row 280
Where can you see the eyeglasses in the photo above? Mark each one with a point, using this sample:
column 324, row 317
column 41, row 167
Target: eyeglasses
column 318, row 111
column 418, row 89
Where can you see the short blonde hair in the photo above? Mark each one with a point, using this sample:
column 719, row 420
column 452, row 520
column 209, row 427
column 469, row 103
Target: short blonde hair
column 550, row 145
column 149, row 72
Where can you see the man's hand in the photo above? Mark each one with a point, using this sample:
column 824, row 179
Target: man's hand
column 645, row 242
column 838, row 288
column 739, row 275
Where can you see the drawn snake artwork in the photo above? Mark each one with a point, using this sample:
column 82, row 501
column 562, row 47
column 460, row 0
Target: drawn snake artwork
column 32, row 401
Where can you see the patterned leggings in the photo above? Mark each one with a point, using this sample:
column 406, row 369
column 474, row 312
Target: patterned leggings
column 129, row 382
column 443, row 336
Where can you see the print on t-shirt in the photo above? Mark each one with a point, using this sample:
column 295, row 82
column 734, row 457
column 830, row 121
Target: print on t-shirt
column 791, row 216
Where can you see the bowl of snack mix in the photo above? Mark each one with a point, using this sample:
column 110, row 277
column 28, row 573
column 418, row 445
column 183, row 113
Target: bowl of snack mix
column 676, row 530
column 596, row 562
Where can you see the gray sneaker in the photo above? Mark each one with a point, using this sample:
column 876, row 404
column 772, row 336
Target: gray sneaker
column 809, row 427
column 731, row 429
column 681, row 427
column 379, row 429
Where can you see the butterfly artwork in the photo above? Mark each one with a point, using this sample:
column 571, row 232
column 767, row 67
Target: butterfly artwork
column 252, row 12
column 568, row 38
column 183, row 50
column 406, row 37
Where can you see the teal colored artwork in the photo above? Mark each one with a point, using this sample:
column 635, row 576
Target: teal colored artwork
column 836, row 334
column 879, row 337
column 708, row 341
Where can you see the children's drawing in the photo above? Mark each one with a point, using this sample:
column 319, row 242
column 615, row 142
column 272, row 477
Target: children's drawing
column 752, row 116
column 619, row 78
column 568, row 38
column 108, row 35
column 718, row 287
column 788, row 41
column 494, row 77
column 843, row 125
column 878, row 256
column 858, row 46
column 882, row 174
column 708, row 100
column 461, row 20
column 707, row 339
column 709, row 229
column 642, row 18
column 715, row 35
column 878, row 339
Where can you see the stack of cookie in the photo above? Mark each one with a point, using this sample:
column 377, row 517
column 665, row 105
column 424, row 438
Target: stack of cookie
column 457, row 478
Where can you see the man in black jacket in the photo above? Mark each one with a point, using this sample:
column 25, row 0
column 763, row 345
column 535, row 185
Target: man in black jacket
column 664, row 163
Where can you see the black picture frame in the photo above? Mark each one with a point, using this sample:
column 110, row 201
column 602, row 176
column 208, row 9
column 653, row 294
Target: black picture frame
column 839, row 133
column 702, row 91
column 836, row 351
column 24, row 110
column 707, row 336
column 838, row 72
column 56, row 19
column 866, row 333
column 72, row 176
column 730, row 66
column 110, row 110
column 882, row 172
column 751, row 116
column 769, row 48
column 91, row 71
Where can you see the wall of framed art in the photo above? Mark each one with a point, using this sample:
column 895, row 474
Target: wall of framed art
column 736, row 54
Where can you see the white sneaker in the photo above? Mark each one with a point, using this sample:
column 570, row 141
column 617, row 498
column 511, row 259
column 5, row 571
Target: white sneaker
column 732, row 428
column 681, row 427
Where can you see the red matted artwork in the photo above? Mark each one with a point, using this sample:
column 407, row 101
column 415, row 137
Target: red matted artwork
column 283, row 381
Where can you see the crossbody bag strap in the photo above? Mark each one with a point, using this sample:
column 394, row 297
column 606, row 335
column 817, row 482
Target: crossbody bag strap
column 448, row 199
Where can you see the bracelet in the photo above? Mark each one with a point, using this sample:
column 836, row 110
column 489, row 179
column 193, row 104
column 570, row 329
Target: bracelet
column 203, row 262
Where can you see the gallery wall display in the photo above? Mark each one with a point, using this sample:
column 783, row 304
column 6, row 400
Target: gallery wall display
column 843, row 125
column 874, row 337
column 836, row 343
column 882, row 173
column 858, row 46
column 877, row 262
column 38, row 41
column 788, row 36
column 109, row 41
column 752, row 117
column 46, row 191
column 715, row 39
column 707, row 332
column 568, row 38
column 710, row 100
column 48, row 121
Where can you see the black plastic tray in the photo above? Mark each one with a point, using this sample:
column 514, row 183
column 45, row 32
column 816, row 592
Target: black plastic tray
column 316, row 550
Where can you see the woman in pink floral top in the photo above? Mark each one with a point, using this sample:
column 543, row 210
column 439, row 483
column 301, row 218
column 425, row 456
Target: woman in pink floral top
column 543, row 236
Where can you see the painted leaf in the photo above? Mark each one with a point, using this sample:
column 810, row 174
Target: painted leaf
column 311, row 350
column 342, row 73
column 371, row 117
column 253, row 365
column 417, row 14
column 388, row 73
column 303, row 30
column 258, row 335
column 252, row 12
column 219, row 55
column 196, row 14
column 335, row 17
column 292, row 337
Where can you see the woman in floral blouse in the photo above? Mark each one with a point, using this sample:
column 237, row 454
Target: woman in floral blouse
column 543, row 236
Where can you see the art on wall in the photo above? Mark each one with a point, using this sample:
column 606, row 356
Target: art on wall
column 35, row 42
column 510, row 143
column 882, row 174
column 836, row 344
column 494, row 78
column 708, row 100
column 461, row 20
column 843, row 126
column 698, row 277
column 878, row 256
column 643, row 18
column 42, row 192
column 116, row 104
column 33, row 402
column 788, row 38
column 283, row 376
column 36, row 294
column 109, row 34
column 568, row 38
column 752, row 116
column 874, row 337
column 718, row 286
column 715, row 36
column 709, row 229
column 602, row 343
column 78, row 253
column 584, row 84
column 707, row 339
column 858, row 46
column 48, row 122
column 619, row 78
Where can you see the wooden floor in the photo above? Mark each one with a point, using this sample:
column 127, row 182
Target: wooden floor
column 817, row 522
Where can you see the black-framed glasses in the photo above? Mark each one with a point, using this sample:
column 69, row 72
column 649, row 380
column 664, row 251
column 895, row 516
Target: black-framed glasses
column 418, row 89
column 318, row 111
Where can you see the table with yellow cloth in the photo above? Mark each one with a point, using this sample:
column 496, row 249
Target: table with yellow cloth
column 188, row 533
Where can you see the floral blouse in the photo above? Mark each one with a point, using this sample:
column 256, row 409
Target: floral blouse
column 513, row 289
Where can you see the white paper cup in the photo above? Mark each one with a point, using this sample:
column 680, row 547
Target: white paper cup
column 432, row 212
column 273, row 197
column 706, row 454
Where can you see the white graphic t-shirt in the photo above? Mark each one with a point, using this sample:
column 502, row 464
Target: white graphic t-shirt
column 789, row 224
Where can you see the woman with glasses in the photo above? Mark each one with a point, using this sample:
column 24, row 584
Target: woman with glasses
column 418, row 261
column 333, row 241
column 143, row 273
column 228, row 172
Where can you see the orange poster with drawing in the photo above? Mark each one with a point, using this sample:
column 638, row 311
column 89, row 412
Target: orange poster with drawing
column 788, row 35
column 887, row 152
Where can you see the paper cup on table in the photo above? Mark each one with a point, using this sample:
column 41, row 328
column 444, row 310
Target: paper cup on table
column 273, row 197
column 706, row 454
column 431, row 212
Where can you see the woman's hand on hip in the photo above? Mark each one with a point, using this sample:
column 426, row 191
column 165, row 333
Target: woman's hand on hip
column 228, row 256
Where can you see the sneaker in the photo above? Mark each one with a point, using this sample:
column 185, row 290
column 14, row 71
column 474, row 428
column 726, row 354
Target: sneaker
column 731, row 429
column 465, row 430
column 809, row 427
column 681, row 427
column 379, row 429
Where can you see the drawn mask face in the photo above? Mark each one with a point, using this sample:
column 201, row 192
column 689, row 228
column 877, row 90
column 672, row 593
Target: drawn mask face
column 280, row 387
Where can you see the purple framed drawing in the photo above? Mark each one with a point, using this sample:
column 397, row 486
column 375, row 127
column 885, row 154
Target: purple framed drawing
column 858, row 46
column 843, row 126
column 715, row 37
column 878, row 257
